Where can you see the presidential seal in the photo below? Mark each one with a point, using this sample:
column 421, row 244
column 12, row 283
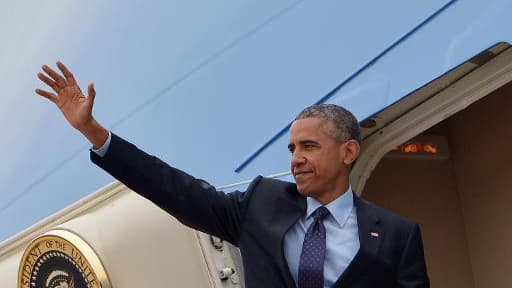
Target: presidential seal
column 61, row 259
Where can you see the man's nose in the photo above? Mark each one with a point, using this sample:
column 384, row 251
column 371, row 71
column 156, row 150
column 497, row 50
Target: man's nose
column 297, row 159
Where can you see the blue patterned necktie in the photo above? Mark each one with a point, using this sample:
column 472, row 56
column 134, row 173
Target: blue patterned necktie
column 311, row 266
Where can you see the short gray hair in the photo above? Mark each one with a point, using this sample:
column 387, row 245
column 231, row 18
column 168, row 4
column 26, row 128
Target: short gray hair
column 343, row 124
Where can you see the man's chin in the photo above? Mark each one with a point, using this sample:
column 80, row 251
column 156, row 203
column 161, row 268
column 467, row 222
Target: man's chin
column 304, row 191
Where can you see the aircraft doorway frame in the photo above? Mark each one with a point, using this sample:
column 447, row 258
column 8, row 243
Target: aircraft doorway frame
column 429, row 105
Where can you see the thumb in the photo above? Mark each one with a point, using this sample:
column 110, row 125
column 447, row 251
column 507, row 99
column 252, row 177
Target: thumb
column 91, row 92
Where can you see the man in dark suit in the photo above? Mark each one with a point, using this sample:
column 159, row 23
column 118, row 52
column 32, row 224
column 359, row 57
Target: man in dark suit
column 315, row 233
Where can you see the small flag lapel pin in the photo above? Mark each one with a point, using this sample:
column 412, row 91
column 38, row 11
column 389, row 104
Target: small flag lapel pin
column 374, row 234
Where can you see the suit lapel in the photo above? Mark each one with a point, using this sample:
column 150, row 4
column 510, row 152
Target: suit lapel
column 370, row 236
column 370, row 233
column 290, row 207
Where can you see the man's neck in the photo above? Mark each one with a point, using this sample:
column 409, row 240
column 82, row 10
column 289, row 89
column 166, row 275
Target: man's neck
column 328, row 197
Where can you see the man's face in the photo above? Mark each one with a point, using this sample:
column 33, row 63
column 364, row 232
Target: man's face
column 319, row 164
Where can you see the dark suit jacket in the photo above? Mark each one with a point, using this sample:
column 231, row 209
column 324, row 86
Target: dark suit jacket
column 257, row 219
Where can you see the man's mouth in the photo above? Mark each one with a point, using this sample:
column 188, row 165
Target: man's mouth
column 298, row 174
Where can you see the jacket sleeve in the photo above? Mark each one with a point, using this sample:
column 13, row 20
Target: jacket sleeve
column 193, row 202
column 412, row 270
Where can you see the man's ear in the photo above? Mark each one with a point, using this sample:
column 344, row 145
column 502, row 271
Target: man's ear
column 352, row 150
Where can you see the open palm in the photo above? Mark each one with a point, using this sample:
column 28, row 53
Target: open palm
column 76, row 107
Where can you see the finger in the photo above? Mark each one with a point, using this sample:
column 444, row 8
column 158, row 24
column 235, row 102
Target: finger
column 91, row 92
column 50, row 96
column 48, row 82
column 61, row 82
column 67, row 74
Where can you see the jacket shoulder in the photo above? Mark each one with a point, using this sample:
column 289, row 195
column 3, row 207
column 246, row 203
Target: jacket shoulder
column 274, row 187
column 386, row 216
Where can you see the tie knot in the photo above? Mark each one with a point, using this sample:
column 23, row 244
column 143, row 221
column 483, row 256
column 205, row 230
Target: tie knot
column 320, row 213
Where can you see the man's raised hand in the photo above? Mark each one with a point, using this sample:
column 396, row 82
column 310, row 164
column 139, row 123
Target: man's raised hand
column 76, row 107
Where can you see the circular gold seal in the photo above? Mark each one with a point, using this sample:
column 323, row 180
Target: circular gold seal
column 61, row 259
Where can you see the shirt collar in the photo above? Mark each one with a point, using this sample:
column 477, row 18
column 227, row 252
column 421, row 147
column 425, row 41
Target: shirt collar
column 339, row 208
